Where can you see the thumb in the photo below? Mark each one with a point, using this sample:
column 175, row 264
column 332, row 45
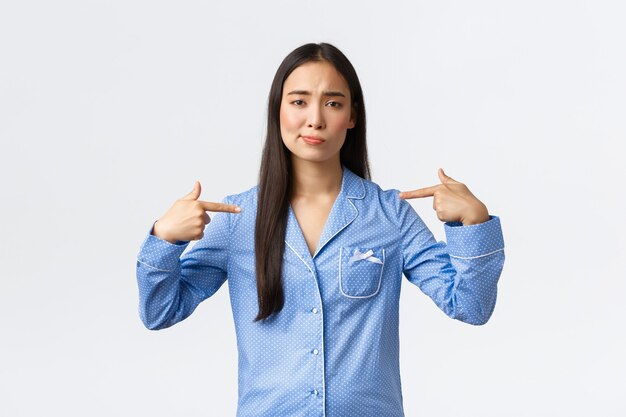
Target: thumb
column 195, row 193
column 444, row 178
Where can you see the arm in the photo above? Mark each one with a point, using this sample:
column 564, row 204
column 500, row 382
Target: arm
column 461, row 276
column 171, row 286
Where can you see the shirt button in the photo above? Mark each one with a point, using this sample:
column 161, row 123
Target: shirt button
column 315, row 351
column 314, row 392
column 314, row 310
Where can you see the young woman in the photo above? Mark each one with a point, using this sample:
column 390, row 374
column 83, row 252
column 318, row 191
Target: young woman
column 314, row 255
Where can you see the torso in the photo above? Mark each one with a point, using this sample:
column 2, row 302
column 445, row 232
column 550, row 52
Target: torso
column 312, row 216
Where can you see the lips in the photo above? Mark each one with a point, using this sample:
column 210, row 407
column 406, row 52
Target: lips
column 312, row 140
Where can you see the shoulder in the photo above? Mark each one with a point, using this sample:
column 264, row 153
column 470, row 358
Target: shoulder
column 243, row 199
column 385, row 200
column 396, row 211
column 388, row 198
column 247, row 200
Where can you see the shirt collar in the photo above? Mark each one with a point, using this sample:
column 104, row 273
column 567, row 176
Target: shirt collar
column 352, row 185
column 341, row 215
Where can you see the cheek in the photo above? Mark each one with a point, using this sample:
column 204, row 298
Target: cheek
column 342, row 122
column 288, row 120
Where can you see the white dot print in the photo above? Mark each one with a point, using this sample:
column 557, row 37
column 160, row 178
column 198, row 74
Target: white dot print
column 333, row 349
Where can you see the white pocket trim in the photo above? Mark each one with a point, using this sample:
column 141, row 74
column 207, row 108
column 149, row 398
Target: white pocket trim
column 382, row 263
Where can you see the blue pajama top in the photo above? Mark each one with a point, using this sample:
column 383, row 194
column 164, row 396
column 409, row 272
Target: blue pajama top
column 333, row 350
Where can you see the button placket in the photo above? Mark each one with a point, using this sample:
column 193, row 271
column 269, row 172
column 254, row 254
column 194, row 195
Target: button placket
column 318, row 392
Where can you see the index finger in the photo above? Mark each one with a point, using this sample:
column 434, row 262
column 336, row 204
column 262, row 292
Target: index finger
column 226, row 208
column 420, row 193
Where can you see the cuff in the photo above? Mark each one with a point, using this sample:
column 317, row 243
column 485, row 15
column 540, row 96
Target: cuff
column 160, row 254
column 475, row 240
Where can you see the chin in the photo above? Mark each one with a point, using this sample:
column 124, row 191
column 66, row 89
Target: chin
column 313, row 158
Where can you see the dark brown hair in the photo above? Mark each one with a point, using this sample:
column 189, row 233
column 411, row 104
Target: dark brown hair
column 275, row 176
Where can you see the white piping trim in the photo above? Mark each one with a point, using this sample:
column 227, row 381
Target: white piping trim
column 158, row 269
column 360, row 296
column 362, row 196
column 321, row 311
column 479, row 256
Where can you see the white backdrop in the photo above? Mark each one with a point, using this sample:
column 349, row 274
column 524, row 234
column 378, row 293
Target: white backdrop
column 110, row 110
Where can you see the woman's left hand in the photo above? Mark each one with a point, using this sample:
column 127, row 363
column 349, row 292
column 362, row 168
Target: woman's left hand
column 452, row 201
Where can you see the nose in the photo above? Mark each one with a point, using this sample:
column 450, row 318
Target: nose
column 315, row 118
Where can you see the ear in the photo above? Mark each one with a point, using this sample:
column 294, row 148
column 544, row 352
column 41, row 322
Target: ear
column 352, row 122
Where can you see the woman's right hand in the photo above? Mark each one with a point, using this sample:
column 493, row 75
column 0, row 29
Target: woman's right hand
column 186, row 219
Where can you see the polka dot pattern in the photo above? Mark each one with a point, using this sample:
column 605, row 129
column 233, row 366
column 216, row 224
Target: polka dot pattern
column 333, row 350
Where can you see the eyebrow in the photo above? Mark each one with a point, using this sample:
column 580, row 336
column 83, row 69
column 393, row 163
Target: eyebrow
column 326, row 93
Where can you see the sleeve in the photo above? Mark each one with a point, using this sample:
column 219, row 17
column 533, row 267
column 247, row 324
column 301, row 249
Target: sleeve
column 170, row 285
column 461, row 276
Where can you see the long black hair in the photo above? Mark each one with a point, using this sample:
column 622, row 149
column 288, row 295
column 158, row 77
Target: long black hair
column 275, row 176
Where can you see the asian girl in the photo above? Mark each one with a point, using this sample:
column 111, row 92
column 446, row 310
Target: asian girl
column 315, row 252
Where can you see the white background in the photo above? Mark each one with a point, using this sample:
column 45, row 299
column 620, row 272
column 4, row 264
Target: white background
column 109, row 110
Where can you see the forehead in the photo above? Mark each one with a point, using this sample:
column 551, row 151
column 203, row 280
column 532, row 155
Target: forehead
column 315, row 77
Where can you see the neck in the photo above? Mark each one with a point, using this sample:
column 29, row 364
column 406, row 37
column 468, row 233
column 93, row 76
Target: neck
column 316, row 179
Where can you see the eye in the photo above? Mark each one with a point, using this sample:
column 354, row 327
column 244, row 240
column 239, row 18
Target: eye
column 334, row 104
column 298, row 102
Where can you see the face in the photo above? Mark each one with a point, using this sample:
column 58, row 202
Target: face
column 315, row 112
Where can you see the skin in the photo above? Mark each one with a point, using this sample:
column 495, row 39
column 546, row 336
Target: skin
column 316, row 104
column 187, row 217
column 452, row 201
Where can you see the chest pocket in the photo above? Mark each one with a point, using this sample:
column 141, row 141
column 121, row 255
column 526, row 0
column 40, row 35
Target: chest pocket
column 360, row 271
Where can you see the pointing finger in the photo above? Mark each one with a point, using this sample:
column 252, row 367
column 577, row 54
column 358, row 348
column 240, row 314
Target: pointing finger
column 420, row 193
column 226, row 208
column 195, row 193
